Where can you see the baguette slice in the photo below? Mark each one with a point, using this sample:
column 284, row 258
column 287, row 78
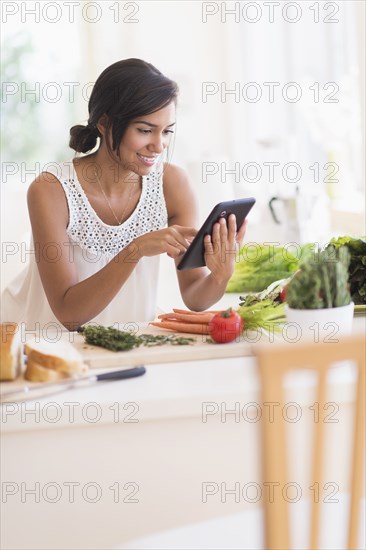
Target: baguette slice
column 10, row 351
column 36, row 373
column 57, row 356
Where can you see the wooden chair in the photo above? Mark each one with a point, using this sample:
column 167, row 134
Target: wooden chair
column 275, row 362
column 268, row 526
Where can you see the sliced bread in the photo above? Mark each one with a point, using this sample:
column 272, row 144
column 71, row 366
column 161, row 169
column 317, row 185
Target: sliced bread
column 59, row 356
column 36, row 373
column 10, row 351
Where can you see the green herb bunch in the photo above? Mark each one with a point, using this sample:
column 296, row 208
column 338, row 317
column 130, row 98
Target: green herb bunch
column 322, row 281
column 118, row 340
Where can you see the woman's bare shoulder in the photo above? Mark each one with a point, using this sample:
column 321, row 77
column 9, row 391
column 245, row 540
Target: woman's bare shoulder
column 44, row 190
column 174, row 173
column 45, row 185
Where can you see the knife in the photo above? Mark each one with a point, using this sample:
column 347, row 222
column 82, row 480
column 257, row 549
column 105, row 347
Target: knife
column 60, row 385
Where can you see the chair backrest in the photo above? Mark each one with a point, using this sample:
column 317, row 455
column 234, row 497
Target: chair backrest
column 275, row 362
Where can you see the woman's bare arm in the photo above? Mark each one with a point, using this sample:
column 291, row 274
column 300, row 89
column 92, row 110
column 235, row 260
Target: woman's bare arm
column 72, row 301
column 201, row 287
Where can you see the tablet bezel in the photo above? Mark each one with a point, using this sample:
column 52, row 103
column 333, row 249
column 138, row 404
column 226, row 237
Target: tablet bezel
column 194, row 255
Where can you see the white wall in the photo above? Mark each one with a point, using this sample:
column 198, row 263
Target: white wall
column 173, row 36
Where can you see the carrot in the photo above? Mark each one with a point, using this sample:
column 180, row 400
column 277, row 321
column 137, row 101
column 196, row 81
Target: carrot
column 168, row 316
column 186, row 318
column 194, row 313
column 177, row 326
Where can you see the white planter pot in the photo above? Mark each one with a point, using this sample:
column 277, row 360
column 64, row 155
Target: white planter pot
column 324, row 325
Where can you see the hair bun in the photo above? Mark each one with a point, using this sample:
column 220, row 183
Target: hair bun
column 83, row 138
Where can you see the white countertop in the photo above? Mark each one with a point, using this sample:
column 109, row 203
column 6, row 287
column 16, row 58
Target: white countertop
column 169, row 390
column 85, row 436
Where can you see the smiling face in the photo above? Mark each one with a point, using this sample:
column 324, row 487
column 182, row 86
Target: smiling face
column 145, row 140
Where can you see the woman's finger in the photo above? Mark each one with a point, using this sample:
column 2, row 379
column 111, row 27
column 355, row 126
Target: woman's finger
column 240, row 234
column 208, row 244
column 175, row 249
column 223, row 230
column 178, row 242
column 184, row 236
column 232, row 228
column 216, row 233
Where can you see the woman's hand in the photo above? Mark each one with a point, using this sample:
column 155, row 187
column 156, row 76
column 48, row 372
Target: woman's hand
column 173, row 240
column 221, row 250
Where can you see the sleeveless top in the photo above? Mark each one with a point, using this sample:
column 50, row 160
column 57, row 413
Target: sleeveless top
column 92, row 244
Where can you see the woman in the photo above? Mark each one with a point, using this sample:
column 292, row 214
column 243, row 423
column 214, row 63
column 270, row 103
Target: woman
column 100, row 222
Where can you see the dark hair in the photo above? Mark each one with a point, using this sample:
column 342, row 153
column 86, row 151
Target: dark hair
column 124, row 91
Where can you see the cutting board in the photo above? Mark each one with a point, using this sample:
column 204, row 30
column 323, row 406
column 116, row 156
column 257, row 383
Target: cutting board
column 97, row 357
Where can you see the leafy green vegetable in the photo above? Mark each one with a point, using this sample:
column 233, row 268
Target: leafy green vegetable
column 322, row 281
column 258, row 266
column 117, row 340
column 357, row 266
column 261, row 314
column 272, row 292
column 151, row 340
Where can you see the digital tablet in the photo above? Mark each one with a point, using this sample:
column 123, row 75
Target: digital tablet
column 194, row 255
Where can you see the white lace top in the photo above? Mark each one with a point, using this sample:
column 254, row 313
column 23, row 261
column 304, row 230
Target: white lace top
column 92, row 244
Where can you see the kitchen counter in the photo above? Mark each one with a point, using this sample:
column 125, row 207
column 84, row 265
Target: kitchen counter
column 97, row 466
